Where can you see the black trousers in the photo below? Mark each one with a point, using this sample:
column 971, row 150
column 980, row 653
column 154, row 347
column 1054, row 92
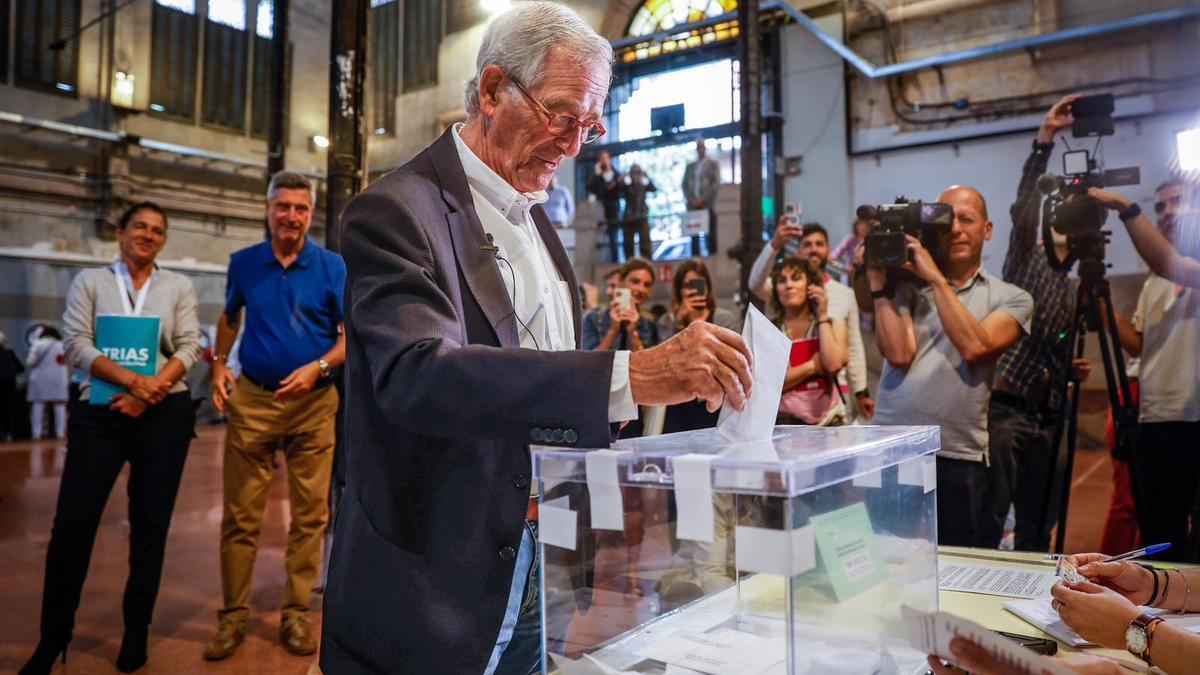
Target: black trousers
column 1020, row 445
column 99, row 442
column 965, row 516
column 1167, row 468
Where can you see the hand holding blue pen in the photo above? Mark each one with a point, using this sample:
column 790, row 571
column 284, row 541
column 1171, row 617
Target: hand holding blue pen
column 1139, row 553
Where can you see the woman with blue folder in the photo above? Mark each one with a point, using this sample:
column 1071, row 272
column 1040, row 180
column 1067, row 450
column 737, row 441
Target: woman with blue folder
column 133, row 328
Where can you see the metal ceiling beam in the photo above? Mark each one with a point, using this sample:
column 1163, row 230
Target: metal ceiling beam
column 870, row 70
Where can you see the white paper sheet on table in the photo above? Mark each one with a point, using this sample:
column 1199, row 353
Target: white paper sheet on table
column 1009, row 582
column 931, row 632
column 723, row 651
column 770, row 349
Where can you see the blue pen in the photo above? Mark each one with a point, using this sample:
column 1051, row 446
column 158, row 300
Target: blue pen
column 1139, row 553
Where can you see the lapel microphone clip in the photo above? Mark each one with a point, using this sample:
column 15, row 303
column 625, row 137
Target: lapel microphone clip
column 491, row 246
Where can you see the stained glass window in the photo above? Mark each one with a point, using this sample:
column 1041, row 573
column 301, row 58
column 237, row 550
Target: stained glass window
column 656, row 15
column 666, row 15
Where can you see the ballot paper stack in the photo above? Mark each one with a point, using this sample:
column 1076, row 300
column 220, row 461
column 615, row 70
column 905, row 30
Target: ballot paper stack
column 744, row 549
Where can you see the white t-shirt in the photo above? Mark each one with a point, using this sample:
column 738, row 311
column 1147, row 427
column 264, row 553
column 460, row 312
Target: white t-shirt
column 1168, row 317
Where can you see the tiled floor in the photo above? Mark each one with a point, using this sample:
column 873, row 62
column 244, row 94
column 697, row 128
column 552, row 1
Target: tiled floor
column 185, row 615
column 186, row 612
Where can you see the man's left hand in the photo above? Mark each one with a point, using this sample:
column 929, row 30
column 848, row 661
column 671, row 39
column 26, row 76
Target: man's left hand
column 922, row 263
column 866, row 406
column 1110, row 200
column 299, row 382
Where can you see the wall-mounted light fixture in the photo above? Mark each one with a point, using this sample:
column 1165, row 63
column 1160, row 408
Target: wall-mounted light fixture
column 317, row 143
column 122, row 89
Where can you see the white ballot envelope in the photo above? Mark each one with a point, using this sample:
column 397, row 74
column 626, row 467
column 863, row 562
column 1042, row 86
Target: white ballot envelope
column 771, row 350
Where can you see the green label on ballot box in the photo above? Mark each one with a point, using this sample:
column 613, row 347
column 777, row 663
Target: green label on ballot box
column 847, row 550
column 130, row 342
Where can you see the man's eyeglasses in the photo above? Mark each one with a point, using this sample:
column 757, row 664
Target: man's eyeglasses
column 560, row 124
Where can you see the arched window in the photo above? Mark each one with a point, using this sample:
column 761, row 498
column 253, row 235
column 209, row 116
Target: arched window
column 656, row 15
column 664, row 15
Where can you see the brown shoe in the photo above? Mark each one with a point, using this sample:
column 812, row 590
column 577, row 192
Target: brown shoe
column 230, row 635
column 296, row 636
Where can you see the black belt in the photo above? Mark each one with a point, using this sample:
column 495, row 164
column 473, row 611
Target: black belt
column 1018, row 402
column 322, row 382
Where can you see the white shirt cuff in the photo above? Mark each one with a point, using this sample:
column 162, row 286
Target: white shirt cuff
column 621, row 407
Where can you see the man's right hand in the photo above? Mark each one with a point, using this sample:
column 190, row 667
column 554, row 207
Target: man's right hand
column 785, row 231
column 1057, row 119
column 222, row 382
column 703, row 361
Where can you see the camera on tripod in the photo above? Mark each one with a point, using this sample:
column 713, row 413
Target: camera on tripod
column 886, row 245
column 1068, row 210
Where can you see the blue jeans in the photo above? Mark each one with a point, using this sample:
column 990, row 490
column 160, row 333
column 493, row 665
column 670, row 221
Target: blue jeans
column 518, row 648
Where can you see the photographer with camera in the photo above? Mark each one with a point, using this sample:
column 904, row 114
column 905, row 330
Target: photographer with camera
column 813, row 243
column 941, row 340
column 1030, row 376
column 1165, row 333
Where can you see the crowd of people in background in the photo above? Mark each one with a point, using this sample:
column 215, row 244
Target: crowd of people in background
column 626, row 213
column 974, row 354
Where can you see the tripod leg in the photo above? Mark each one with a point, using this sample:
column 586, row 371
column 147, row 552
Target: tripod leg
column 1120, row 396
column 1075, row 336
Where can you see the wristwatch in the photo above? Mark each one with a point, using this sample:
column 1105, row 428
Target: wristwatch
column 326, row 371
column 885, row 292
column 1139, row 635
column 1130, row 213
column 218, row 357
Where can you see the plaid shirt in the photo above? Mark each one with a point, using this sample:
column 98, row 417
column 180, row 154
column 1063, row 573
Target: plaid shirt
column 1036, row 367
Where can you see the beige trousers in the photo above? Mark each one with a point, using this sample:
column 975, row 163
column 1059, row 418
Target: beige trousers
column 257, row 425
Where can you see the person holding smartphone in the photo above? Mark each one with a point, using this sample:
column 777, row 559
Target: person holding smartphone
column 819, row 350
column 692, row 300
column 624, row 327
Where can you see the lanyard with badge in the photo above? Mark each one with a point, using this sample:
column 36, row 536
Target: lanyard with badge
column 125, row 284
column 129, row 339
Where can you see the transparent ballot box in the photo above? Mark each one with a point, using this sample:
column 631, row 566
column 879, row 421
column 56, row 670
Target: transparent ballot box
column 687, row 553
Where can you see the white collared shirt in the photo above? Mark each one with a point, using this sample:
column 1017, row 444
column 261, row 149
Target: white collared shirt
column 538, row 292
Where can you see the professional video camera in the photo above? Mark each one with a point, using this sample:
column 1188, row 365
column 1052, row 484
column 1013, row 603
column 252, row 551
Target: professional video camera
column 1067, row 209
column 887, row 243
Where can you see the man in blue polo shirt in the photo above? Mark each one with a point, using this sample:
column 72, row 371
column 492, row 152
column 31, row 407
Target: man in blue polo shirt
column 291, row 291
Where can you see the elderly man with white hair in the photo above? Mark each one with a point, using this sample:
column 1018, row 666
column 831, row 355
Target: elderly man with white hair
column 462, row 336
